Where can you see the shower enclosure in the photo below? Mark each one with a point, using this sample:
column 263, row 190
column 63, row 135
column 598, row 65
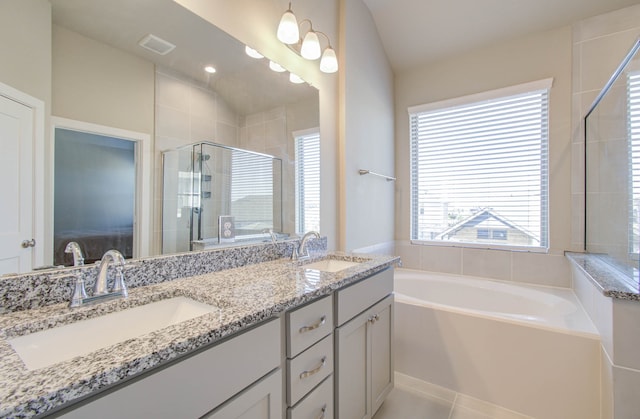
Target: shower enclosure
column 612, row 162
column 207, row 186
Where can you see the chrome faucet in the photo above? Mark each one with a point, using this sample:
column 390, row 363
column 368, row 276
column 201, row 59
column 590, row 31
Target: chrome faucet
column 100, row 288
column 301, row 252
column 74, row 249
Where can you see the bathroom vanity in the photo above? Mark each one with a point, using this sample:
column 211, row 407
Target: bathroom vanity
column 280, row 340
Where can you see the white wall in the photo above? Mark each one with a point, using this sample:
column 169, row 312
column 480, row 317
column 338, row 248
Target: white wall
column 366, row 139
column 534, row 57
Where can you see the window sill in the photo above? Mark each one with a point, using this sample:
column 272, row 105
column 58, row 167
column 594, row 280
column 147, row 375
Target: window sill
column 485, row 246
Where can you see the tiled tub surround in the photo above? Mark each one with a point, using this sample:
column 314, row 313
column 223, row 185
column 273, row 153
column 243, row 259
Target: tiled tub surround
column 244, row 296
column 526, row 348
column 612, row 301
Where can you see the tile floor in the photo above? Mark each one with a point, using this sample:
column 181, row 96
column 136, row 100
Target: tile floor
column 414, row 399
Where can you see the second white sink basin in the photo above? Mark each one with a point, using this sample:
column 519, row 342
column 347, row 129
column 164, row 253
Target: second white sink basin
column 331, row 265
column 48, row 347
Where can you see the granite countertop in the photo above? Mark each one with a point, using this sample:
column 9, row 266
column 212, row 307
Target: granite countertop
column 243, row 296
column 612, row 278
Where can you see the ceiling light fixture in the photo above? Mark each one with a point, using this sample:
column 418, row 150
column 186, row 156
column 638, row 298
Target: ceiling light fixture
column 309, row 47
column 209, row 69
column 294, row 78
column 252, row 52
column 276, row 67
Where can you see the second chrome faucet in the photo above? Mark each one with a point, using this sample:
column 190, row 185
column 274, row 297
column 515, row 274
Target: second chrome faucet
column 301, row 252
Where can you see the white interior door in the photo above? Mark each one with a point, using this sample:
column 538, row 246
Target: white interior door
column 16, row 188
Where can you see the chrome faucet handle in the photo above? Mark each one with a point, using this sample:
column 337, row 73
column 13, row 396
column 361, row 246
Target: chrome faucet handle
column 119, row 285
column 79, row 292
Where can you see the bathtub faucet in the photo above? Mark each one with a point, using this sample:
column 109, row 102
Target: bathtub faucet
column 301, row 252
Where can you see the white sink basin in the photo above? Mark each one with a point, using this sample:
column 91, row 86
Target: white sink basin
column 331, row 265
column 48, row 347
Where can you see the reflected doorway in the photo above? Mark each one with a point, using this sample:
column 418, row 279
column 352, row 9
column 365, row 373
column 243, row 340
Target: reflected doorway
column 94, row 200
column 101, row 187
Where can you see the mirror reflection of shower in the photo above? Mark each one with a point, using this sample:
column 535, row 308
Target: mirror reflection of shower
column 204, row 182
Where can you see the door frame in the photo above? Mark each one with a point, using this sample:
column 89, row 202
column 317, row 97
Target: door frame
column 38, row 169
column 142, row 214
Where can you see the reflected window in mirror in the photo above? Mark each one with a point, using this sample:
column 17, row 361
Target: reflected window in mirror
column 307, row 180
column 633, row 123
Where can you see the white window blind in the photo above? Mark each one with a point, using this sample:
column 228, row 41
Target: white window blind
column 479, row 171
column 251, row 191
column 633, row 97
column 307, row 180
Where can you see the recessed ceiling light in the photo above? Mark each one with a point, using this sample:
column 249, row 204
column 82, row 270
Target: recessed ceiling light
column 210, row 69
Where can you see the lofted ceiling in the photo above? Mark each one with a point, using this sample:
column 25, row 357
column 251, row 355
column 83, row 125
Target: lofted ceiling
column 416, row 32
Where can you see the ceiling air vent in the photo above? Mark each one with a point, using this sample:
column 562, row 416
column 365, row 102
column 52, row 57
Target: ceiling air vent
column 157, row 45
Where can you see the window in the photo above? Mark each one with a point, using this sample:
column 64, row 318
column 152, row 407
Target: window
column 479, row 168
column 633, row 124
column 252, row 188
column 307, row 180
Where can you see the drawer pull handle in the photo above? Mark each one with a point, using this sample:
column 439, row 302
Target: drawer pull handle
column 305, row 329
column 317, row 369
column 323, row 411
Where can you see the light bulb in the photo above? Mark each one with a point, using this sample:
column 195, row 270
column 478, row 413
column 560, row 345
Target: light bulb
column 310, row 46
column 294, row 78
column 329, row 61
column 276, row 67
column 252, row 52
column 288, row 32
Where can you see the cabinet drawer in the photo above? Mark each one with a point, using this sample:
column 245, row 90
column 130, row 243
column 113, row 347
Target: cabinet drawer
column 316, row 405
column 309, row 324
column 308, row 369
column 356, row 298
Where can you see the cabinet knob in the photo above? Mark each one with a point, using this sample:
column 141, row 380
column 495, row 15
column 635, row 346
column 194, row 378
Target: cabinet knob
column 28, row 243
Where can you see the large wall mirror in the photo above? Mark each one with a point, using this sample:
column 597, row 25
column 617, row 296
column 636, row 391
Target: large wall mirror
column 103, row 76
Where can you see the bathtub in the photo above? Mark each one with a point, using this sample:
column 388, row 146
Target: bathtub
column 530, row 349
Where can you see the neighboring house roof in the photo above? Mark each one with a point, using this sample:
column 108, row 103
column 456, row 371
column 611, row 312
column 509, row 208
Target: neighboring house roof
column 482, row 216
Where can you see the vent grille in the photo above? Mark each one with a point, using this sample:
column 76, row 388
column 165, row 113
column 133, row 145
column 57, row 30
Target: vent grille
column 157, row 45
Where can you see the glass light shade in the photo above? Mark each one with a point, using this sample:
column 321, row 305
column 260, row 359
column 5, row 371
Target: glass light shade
column 276, row 67
column 310, row 46
column 329, row 61
column 288, row 31
column 294, row 78
column 252, row 52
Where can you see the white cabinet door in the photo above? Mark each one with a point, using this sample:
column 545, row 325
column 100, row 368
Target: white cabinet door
column 196, row 385
column 381, row 333
column 263, row 400
column 352, row 369
column 364, row 372
column 16, row 188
